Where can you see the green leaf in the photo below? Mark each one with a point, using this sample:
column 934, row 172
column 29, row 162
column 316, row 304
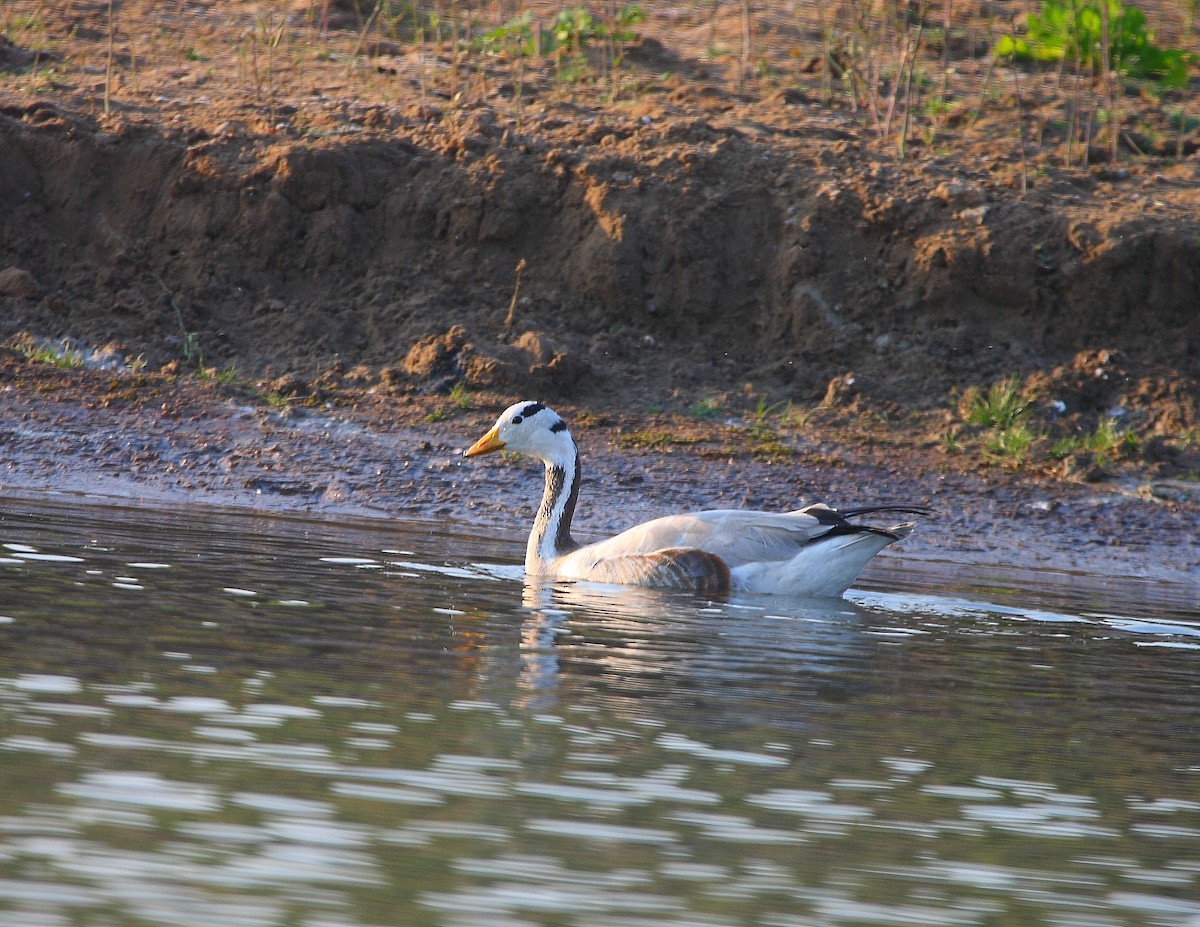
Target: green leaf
column 1073, row 30
column 1006, row 47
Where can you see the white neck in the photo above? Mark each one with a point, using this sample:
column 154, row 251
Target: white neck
column 551, row 534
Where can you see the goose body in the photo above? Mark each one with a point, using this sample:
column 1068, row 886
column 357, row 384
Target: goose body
column 813, row 551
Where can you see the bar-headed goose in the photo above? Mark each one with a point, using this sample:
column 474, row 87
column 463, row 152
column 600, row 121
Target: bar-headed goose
column 814, row 551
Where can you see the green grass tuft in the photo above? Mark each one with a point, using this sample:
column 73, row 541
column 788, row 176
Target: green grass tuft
column 707, row 409
column 1109, row 441
column 1012, row 443
column 1002, row 406
column 57, row 357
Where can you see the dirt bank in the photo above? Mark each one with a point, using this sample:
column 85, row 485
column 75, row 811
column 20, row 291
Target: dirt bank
column 687, row 239
column 668, row 253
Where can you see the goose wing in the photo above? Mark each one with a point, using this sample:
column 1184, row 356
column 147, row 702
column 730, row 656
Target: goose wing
column 737, row 537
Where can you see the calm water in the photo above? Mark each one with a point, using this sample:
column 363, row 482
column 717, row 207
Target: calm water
column 215, row 719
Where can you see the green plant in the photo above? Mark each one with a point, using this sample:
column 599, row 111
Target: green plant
column 64, row 356
column 1067, row 30
column 572, row 30
column 225, row 376
column 191, row 348
column 937, row 108
column 1012, row 442
column 621, row 31
column 459, row 395
column 276, row 400
column 620, row 35
column 1179, row 116
column 513, row 38
column 1002, row 406
column 1108, row 441
column 799, row 418
column 764, row 410
column 709, row 408
column 760, row 418
column 566, row 40
column 569, row 35
column 49, row 79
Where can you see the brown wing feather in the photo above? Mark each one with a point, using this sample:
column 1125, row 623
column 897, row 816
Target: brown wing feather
column 684, row 568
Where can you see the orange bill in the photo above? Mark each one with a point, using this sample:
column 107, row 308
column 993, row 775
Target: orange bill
column 488, row 444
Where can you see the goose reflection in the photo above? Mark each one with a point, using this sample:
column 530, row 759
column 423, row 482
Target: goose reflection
column 650, row 652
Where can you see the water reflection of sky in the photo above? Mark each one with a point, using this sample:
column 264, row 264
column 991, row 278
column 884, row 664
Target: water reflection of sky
column 221, row 719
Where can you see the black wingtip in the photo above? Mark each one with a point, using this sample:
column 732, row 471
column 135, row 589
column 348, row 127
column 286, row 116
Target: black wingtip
column 890, row 509
column 831, row 516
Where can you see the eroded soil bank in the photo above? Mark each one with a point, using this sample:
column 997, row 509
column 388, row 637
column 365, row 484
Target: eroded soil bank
column 664, row 255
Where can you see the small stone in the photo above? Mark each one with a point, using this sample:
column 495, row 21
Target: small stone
column 958, row 194
column 19, row 283
column 337, row 491
column 289, row 384
column 975, row 215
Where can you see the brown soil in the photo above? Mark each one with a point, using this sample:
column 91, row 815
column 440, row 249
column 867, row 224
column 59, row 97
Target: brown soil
column 349, row 236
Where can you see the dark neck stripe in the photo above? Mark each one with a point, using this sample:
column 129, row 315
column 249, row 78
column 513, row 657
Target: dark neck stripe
column 556, row 485
column 563, row 540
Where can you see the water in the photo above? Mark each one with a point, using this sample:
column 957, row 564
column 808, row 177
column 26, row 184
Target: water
column 225, row 719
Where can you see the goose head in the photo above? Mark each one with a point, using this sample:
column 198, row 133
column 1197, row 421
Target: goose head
column 531, row 428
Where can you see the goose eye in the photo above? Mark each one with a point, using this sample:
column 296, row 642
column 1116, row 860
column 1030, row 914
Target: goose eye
column 516, row 420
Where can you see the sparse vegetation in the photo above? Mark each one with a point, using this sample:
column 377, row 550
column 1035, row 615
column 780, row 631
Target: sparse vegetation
column 277, row 400
column 459, row 396
column 1000, row 406
column 764, row 411
column 1011, row 443
column 1107, row 442
column 771, row 448
column 1007, row 424
column 761, row 417
column 1074, row 32
column 708, row 408
column 889, row 65
column 222, row 376
column 1108, row 39
column 62, row 355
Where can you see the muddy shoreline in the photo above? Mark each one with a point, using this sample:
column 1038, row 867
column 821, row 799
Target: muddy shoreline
column 178, row 441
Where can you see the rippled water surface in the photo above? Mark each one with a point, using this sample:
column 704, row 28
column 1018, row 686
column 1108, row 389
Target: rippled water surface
column 224, row 719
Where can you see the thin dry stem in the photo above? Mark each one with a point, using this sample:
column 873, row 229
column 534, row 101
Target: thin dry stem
column 108, row 68
column 511, row 318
